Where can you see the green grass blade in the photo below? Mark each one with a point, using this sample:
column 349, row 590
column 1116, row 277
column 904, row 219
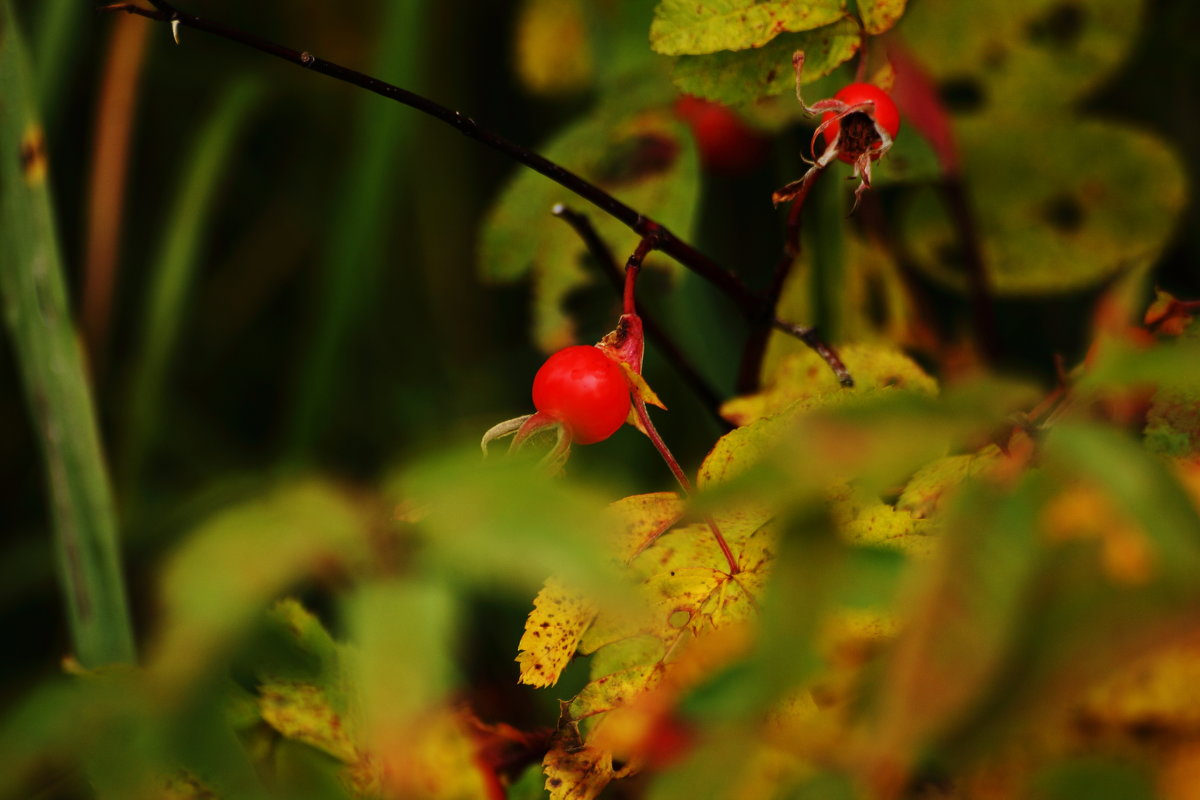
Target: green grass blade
column 55, row 46
column 173, row 271
column 50, row 360
column 350, row 261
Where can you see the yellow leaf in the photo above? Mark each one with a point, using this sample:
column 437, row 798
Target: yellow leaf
column 684, row 592
column 552, row 633
column 926, row 492
column 433, row 756
column 577, row 774
column 1087, row 512
column 866, row 520
column 553, row 53
column 878, row 16
column 804, row 382
column 303, row 712
column 644, row 518
column 1156, row 689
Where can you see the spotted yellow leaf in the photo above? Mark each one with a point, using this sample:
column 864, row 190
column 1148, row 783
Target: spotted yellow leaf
column 552, row 633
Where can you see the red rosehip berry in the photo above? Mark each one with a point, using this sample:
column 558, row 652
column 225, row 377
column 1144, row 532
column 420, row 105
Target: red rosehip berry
column 585, row 390
column 857, row 128
column 726, row 144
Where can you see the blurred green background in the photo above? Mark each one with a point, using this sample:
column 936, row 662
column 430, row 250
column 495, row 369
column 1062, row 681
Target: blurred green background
column 311, row 253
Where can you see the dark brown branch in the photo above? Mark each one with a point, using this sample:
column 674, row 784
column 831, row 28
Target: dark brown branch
column 669, row 243
column 810, row 337
column 599, row 249
column 983, row 312
column 750, row 304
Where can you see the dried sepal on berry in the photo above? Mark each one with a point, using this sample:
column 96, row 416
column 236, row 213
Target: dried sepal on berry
column 858, row 125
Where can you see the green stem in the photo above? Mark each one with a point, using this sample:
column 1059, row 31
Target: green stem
column 50, row 361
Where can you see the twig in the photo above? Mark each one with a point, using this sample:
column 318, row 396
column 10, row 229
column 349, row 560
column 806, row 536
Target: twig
column 810, row 337
column 601, row 253
column 669, row 243
column 749, row 303
column 983, row 312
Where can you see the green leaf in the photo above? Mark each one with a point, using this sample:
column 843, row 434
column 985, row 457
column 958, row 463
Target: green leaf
column 963, row 623
column 687, row 27
column 1071, row 221
column 47, row 353
column 633, row 149
column 1095, row 779
column 500, row 524
column 736, row 78
column 1022, row 58
column 1173, row 421
column 1141, row 486
column 293, row 646
column 405, row 631
column 218, row 582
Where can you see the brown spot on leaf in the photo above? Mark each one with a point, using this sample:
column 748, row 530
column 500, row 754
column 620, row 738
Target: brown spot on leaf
column 963, row 94
column 636, row 159
column 1064, row 213
column 1060, row 27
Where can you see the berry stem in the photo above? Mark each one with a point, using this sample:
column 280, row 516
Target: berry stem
column 633, row 267
column 603, row 256
column 648, row 427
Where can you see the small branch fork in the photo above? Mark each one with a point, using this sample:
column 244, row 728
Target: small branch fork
column 603, row 256
column 754, row 306
column 756, row 344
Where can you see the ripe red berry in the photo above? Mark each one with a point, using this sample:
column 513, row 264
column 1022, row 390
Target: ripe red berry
column 585, row 390
column 727, row 145
column 858, row 132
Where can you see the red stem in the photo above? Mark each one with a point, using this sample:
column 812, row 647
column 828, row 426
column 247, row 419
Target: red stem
column 634, row 266
column 681, row 476
column 709, row 397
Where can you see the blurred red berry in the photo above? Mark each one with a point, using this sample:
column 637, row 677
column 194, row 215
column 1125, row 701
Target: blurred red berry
column 727, row 145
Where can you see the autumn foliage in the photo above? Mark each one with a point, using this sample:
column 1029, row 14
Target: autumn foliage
column 974, row 573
